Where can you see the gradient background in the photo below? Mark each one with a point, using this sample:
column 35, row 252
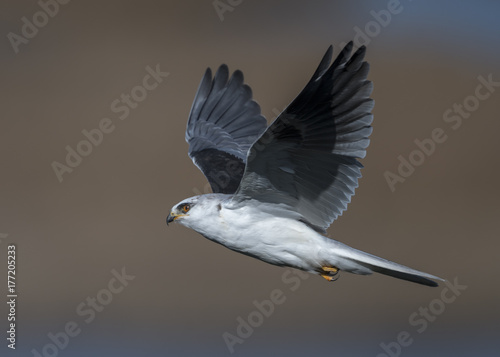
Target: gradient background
column 110, row 212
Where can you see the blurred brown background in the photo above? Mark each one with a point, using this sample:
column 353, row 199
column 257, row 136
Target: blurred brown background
column 110, row 211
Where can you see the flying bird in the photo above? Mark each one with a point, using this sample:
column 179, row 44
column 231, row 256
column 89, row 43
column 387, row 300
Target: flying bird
column 277, row 188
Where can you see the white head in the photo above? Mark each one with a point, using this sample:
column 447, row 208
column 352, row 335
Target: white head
column 195, row 210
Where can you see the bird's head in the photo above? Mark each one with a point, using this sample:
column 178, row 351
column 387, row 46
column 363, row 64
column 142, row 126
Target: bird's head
column 192, row 210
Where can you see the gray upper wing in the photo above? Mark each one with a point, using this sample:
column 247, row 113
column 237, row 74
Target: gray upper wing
column 224, row 122
column 305, row 164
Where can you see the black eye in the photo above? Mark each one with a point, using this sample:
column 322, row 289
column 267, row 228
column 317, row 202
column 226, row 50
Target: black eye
column 185, row 207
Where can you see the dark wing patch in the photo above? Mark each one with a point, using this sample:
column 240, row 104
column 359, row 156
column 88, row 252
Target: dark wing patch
column 306, row 159
column 224, row 122
column 222, row 170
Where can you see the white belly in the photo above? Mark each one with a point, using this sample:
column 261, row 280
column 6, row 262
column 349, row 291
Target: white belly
column 275, row 240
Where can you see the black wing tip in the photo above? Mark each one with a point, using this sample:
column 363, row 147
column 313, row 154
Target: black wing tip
column 207, row 75
column 348, row 47
column 238, row 76
column 324, row 64
column 223, row 71
column 358, row 56
column 223, row 67
column 205, row 83
column 329, row 51
column 360, row 53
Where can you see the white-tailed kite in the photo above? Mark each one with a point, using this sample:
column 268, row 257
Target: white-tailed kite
column 277, row 188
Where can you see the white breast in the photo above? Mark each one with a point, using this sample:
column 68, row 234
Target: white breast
column 276, row 240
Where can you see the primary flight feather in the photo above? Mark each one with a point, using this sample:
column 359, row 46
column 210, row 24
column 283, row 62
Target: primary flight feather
column 277, row 188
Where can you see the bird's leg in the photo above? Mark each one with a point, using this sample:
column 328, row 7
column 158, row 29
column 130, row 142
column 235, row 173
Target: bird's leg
column 329, row 273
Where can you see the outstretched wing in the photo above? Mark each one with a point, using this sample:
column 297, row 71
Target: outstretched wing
column 305, row 164
column 224, row 122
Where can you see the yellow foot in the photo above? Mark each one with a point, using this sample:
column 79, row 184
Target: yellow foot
column 329, row 277
column 331, row 270
column 330, row 273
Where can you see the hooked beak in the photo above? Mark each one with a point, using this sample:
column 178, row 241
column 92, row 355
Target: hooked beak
column 173, row 216
column 170, row 218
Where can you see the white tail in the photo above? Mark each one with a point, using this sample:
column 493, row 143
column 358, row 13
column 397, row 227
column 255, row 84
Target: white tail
column 358, row 262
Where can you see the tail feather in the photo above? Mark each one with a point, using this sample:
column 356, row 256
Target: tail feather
column 359, row 262
column 419, row 277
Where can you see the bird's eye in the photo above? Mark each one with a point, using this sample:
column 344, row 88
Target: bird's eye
column 185, row 208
